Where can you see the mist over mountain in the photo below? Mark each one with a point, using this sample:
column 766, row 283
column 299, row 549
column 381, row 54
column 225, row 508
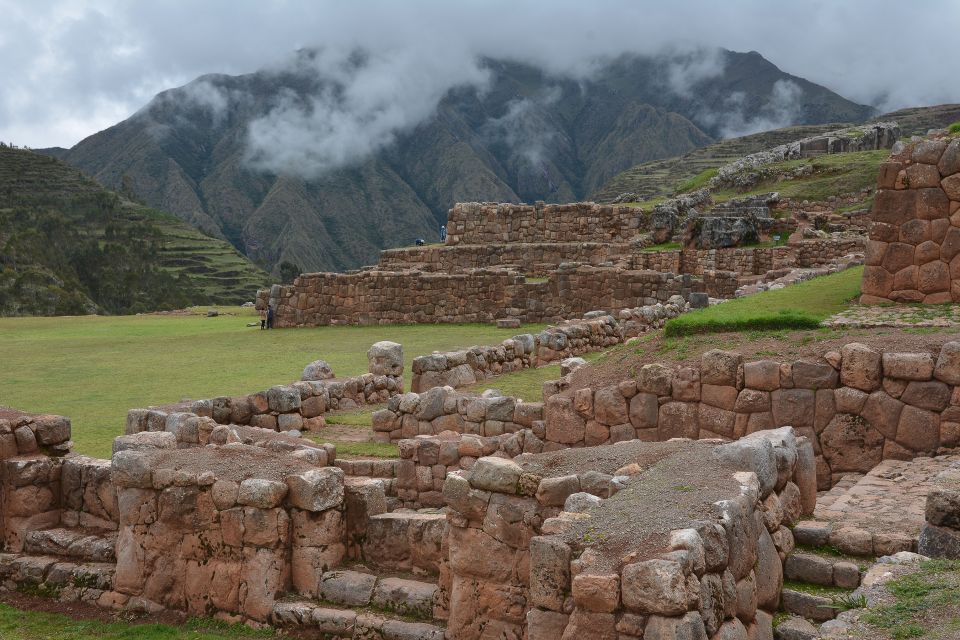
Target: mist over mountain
column 334, row 155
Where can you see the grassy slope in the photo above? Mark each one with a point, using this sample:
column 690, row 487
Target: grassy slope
column 38, row 183
column 93, row 369
column 802, row 305
column 662, row 178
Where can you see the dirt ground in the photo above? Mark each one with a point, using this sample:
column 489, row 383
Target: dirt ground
column 678, row 484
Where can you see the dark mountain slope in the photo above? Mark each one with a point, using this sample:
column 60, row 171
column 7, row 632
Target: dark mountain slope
column 527, row 136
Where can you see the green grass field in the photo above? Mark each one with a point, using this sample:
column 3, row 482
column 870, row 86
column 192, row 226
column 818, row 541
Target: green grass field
column 93, row 369
column 34, row 625
column 799, row 306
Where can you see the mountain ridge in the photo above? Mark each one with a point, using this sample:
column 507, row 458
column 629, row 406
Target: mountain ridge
column 529, row 136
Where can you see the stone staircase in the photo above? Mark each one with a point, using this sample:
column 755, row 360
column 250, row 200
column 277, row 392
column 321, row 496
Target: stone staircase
column 859, row 519
column 361, row 604
column 54, row 576
column 75, row 544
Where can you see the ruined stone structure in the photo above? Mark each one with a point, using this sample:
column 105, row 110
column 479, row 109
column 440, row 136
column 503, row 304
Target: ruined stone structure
column 915, row 235
column 296, row 406
column 483, row 295
column 541, row 525
column 467, row 366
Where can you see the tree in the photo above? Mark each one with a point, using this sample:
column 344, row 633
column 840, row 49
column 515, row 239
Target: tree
column 288, row 272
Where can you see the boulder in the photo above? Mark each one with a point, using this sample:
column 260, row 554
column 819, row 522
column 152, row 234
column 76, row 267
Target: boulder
column 317, row 370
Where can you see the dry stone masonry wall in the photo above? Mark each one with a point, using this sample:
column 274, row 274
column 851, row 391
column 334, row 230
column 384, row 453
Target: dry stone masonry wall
column 497, row 223
column 375, row 297
column 912, row 255
column 296, row 406
column 528, row 558
column 467, row 366
column 857, row 407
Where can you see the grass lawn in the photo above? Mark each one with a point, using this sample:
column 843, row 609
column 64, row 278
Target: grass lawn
column 799, row 306
column 93, row 369
column 34, row 625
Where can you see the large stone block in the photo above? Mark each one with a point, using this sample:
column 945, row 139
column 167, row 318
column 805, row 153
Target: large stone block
column 860, row 367
column 563, row 423
column 655, row 587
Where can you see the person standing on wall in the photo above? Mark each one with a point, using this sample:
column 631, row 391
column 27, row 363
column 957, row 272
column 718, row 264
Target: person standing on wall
column 270, row 316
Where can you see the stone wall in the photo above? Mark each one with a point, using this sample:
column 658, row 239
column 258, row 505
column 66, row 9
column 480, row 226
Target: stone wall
column 915, row 235
column 31, row 458
column 542, row 259
column 298, row 406
column 536, row 259
column 483, row 295
column 745, row 261
column 940, row 537
column 195, row 541
column 442, row 409
column 493, row 223
column 467, row 366
column 857, row 407
column 518, row 567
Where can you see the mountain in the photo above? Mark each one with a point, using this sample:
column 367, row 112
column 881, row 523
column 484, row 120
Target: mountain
column 68, row 246
column 662, row 178
column 526, row 136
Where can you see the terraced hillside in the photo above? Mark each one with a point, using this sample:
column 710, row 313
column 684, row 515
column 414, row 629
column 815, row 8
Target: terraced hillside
column 69, row 246
column 663, row 178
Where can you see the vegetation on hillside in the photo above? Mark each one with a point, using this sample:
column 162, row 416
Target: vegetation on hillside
column 70, row 247
column 663, row 178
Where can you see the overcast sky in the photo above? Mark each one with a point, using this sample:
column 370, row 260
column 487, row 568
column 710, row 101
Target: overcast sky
column 69, row 68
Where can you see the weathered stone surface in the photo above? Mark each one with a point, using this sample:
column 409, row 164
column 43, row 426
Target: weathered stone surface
column 260, row 493
column 609, row 406
column 908, row 366
column 861, row 367
column 495, row 474
column 719, row 367
column 317, row 370
column 763, row 375
column 564, row 423
column 317, row 489
column 850, row 444
column 655, row 587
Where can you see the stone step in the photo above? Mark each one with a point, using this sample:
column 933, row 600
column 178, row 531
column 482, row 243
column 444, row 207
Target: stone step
column 72, row 543
column 347, row 623
column 396, row 595
column 807, row 605
column 66, row 580
column 827, row 498
column 820, row 570
column 794, row 628
column 405, row 541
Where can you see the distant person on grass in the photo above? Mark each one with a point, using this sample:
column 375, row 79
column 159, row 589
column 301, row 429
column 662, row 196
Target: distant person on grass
column 270, row 317
column 443, row 233
column 263, row 319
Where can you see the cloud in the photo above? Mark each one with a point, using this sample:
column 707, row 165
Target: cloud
column 71, row 67
column 522, row 128
column 363, row 101
column 781, row 109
